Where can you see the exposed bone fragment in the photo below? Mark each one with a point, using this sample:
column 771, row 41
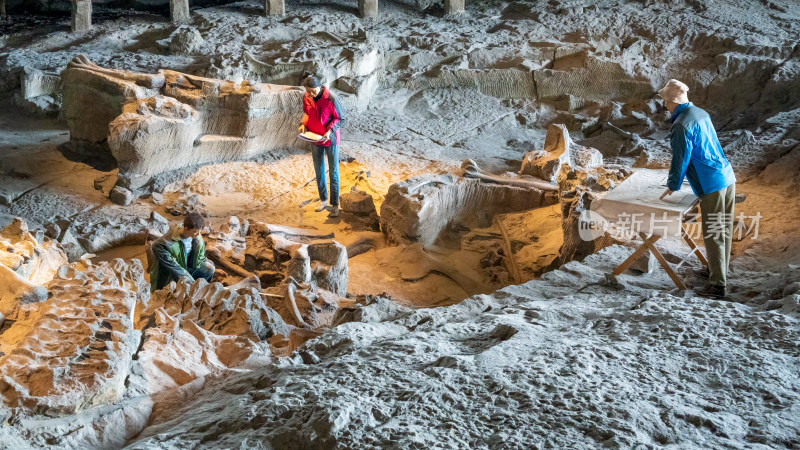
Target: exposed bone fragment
column 471, row 170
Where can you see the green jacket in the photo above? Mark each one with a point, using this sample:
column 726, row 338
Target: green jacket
column 169, row 263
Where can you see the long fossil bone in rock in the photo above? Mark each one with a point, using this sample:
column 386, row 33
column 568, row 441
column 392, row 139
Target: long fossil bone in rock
column 156, row 123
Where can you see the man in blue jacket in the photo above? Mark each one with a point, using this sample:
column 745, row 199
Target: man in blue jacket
column 697, row 156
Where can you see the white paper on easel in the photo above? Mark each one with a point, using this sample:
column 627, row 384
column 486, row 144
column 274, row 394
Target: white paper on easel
column 636, row 204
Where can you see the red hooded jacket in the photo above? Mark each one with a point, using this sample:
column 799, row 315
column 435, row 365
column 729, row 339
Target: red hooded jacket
column 322, row 115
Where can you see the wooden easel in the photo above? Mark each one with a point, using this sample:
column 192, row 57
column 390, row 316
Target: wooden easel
column 649, row 244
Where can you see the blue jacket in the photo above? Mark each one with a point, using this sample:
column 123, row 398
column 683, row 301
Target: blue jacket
column 696, row 153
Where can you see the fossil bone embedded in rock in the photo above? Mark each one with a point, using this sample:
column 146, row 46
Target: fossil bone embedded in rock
column 559, row 149
column 419, row 209
column 74, row 350
column 25, row 266
column 168, row 121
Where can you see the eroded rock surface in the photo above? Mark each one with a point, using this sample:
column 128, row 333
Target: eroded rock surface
column 420, row 367
column 356, row 72
column 40, row 92
column 419, row 209
column 91, row 340
column 559, row 149
column 26, row 265
column 557, row 362
column 74, row 350
column 152, row 124
column 191, row 330
column 358, row 209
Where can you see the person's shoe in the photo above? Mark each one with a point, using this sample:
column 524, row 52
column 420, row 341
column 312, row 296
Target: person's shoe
column 701, row 273
column 335, row 212
column 322, row 206
column 712, row 291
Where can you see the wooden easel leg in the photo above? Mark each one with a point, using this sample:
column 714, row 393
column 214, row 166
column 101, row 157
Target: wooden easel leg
column 636, row 255
column 675, row 278
column 693, row 246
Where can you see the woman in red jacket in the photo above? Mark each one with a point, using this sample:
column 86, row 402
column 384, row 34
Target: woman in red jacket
column 323, row 115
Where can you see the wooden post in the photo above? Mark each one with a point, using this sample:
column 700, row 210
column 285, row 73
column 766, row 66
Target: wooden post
column 454, row 6
column 179, row 11
column 368, row 8
column 275, row 7
column 81, row 16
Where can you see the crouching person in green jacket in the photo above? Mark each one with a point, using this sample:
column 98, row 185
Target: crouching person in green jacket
column 180, row 253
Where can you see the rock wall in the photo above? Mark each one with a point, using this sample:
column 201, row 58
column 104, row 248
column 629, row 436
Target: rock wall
column 549, row 71
column 590, row 78
column 353, row 63
column 51, row 6
column 500, row 83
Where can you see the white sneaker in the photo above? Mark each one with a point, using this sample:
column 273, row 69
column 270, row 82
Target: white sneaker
column 335, row 212
column 322, row 206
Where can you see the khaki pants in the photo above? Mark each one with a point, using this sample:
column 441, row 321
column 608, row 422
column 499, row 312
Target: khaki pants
column 716, row 210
